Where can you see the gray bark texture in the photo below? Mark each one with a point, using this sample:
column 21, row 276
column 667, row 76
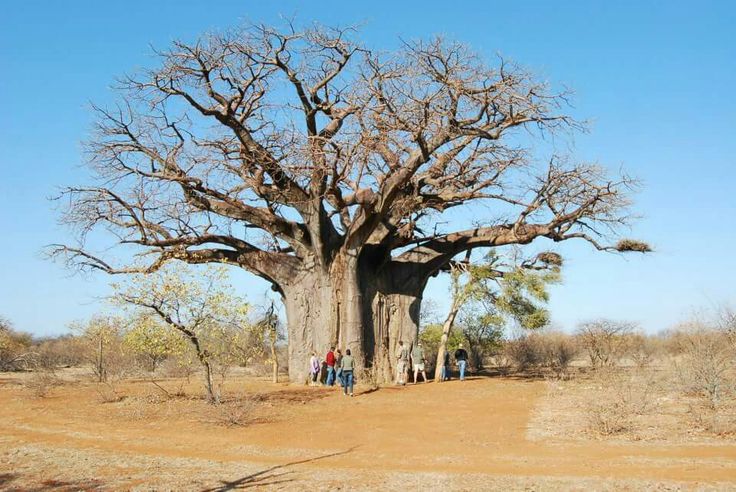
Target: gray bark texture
column 356, row 307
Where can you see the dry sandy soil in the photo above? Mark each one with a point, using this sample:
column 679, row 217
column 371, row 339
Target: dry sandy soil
column 478, row 434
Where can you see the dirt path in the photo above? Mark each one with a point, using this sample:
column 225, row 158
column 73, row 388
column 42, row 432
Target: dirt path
column 463, row 436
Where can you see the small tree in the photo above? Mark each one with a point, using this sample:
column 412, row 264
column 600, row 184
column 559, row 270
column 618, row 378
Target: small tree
column 606, row 341
column 270, row 327
column 433, row 337
column 199, row 306
column 706, row 364
column 484, row 334
column 504, row 289
column 101, row 342
column 233, row 344
column 149, row 338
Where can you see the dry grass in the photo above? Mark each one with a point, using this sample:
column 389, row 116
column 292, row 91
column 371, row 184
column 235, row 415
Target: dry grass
column 282, row 437
column 108, row 392
column 238, row 411
column 631, row 404
column 619, row 399
column 41, row 383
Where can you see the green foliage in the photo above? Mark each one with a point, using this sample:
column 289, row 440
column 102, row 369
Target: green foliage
column 431, row 336
column 149, row 338
column 521, row 293
column 517, row 292
column 100, row 338
column 483, row 332
column 492, row 293
column 432, row 333
column 199, row 304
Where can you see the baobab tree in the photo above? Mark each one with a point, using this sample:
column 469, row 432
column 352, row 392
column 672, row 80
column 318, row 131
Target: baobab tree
column 327, row 169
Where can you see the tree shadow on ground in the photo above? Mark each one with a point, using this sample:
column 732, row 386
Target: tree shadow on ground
column 371, row 390
column 270, row 476
column 494, row 373
column 292, row 396
column 6, row 480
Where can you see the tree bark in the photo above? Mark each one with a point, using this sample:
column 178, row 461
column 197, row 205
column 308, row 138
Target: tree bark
column 101, row 373
column 212, row 396
column 446, row 328
column 356, row 305
column 274, row 357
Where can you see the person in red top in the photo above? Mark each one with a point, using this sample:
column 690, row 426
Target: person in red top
column 330, row 360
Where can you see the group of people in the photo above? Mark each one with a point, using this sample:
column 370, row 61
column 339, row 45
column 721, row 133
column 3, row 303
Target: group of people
column 418, row 361
column 339, row 368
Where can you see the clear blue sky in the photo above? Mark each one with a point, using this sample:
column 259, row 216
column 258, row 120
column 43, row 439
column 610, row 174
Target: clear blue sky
column 655, row 78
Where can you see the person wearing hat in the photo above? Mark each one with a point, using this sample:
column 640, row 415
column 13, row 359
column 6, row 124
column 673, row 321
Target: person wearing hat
column 461, row 357
column 417, row 359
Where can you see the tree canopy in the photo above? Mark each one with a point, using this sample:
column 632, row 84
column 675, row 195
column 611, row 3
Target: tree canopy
column 272, row 149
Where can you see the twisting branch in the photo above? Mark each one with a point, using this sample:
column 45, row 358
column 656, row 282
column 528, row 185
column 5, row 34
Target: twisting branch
column 278, row 150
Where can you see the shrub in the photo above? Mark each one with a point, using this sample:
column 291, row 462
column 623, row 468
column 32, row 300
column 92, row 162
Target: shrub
column 62, row 351
column 524, row 352
column 40, row 383
column 621, row 397
column 15, row 347
column 107, row 392
column 605, row 341
column 641, row 349
column 484, row 334
column 706, row 364
column 557, row 351
column 236, row 412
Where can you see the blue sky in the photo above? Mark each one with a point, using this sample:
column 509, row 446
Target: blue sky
column 655, row 79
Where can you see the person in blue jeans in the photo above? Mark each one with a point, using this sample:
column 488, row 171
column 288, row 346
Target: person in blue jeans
column 347, row 364
column 338, row 361
column 445, row 373
column 461, row 357
column 330, row 360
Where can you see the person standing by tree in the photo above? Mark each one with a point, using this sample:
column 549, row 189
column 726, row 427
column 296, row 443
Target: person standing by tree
column 461, row 357
column 314, row 367
column 445, row 366
column 347, row 365
column 338, row 362
column 330, row 360
column 417, row 358
column 402, row 361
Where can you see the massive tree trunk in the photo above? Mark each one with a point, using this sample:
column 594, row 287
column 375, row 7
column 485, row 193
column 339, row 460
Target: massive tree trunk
column 358, row 304
column 393, row 298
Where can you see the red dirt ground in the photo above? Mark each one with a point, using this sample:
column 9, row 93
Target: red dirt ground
column 469, row 435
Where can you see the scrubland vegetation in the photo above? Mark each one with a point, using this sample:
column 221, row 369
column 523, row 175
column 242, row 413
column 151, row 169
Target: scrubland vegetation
column 607, row 377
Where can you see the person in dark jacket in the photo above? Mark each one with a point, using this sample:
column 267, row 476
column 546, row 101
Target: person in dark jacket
column 338, row 361
column 445, row 374
column 461, row 357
